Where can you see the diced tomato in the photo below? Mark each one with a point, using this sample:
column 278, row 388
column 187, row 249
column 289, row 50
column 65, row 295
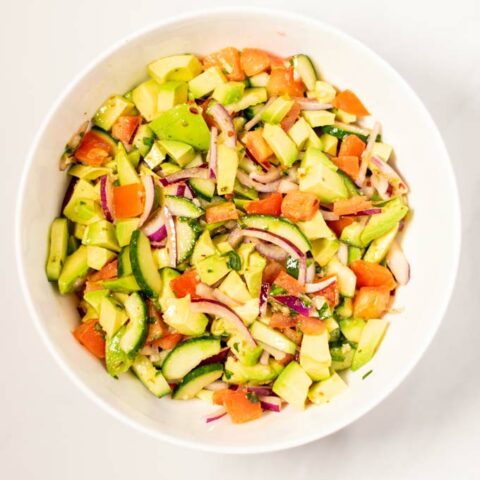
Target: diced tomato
column 128, row 200
column 371, row 302
column 352, row 205
column 257, row 146
column 279, row 320
column 285, row 360
column 338, row 225
column 125, row 127
column 93, row 150
column 299, row 206
column 92, row 286
column 157, row 328
column 254, row 61
column 241, row 406
column 288, row 283
column 291, row 117
column 92, row 337
column 110, row 270
column 348, row 164
column 372, row 275
column 228, row 60
column 185, row 284
column 271, row 205
column 311, row 326
column 293, row 334
column 221, row 213
column 169, row 341
column 351, row 146
column 282, row 82
column 276, row 62
column 220, row 395
column 271, row 271
column 330, row 293
column 350, row 103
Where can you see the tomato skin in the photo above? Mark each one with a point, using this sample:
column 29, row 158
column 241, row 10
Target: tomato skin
column 351, row 205
column 349, row 164
column 350, row 103
column 221, row 213
column 169, row 341
column 254, row 61
column 185, row 284
column 271, row 271
column 158, row 328
column 371, row 302
column 291, row 117
column 280, row 321
column 351, row 146
column 228, row 60
column 299, row 206
column 220, row 395
column 93, row 150
column 110, row 270
column 372, row 275
column 271, row 205
column 91, row 337
column 288, row 283
column 258, row 147
column 125, row 127
column 338, row 225
column 128, row 200
column 240, row 408
column 311, row 326
column 330, row 293
column 282, row 82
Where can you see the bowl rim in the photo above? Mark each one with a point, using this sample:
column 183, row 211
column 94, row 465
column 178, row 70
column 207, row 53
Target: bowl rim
column 277, row 444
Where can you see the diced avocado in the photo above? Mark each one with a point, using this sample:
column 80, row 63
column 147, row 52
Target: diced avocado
column 345, row 308
column 205, row 396
column 57, row 248
column 86, row 172
column 156, row 155
column 300, row 132
column 227, row 165
column 346, row 278
column 74, row 268
column 181, row 152
column 206, row 82
column 176, row 67
column 292, row 385
column 112, row 316
column 179, row 315
column 143, row 139
column 342, row 357
column 370, row 339
column 248, row 192
column 354, row 253
column 97, row 257
column 324, row 249
column 263, row 333
column 230, row 92
column 94, row 298
column 83, row 206
column 315, row 356
column 150, row 376
column 126, row 284
column 319, row 118
column 282, row 145
column 380, row 224
column 223, row 246
column 316, row 228
column 316, row 177
column 235, row 288
column 251, row 96
column 167, row 274
column 212, row 269
column 330, row 144
column 161, row 257
column 379, row 248
column 277, row 110
column 101, row 234
column 124, row 229
column 259, row 80
column 352, row 328
column 183, row 123
column 124, row 263
column 246, row 354
column 324, row 92
column 244, row 251
column 253, row 273
column 79, row 230
column 110, row 110
column 345, row 117
column 324, row 391
column 249, row 311
column 351, row 234
column 116, row 360
column 238, row 373
column 145, row 98
column 126, row 171
column 167, row 168
column 314, row 141
column 204, row 248
column 239, row 123
column 382, row 151
column 170, row 94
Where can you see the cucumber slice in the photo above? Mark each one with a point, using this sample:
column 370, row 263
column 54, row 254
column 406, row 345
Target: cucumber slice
column 196, row 380
column 74, row 268
column 124, row 264
column 203, row 188
column 346, row 278
column 126, row 284
column 280, row 226
column 182, row 207
column 304, row 67
column 187, row 231
column 143, row 265
column 137, row 327
column 150, row 376
column 188, row 354
column 116, row 360
column 274, row 338
column 57, row 249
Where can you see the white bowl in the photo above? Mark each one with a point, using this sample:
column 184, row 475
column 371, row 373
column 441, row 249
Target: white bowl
column 432, row 239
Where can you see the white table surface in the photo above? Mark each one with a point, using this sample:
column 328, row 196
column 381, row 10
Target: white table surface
column 428, row 428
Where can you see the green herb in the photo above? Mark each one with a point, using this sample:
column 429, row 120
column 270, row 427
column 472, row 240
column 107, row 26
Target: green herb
column 148, row 142
column 228, row 374
column 234, row 262
column 252, row 397
column 367, row 374
column 324, row 312
column 276, row 290
column 235, row 346
column 292, row 266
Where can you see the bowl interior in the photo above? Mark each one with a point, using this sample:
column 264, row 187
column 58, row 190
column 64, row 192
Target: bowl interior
column 431, row 239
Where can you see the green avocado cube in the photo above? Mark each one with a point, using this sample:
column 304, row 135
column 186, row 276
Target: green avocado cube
column 235, row 288
column 145, row 98
column 319, row 118
column 315, row 356
column 227, row 93
column 126, row 171
column 316, row 228
column 246, row 354
column 180, row 152
column 277, row 110
column 239, row 373
column 382, row 151
column 112, row 316
column 370, row 339
column 330, row 144
column 253, row 273
column 74, row 268
column 292, row 385
column 282, row 145
column 251, row 96
column 95, row 297
column 110, row 111
column 179, row 315
column 143, row 139
column 212, row 269
column 101, row 234
column 352, row 328
column 206, row 82
column 156, row 155
column 98, row 257
column 126, row 284
column 204, row 248
column 249, row 311
column 170, row 94
column 227, row 166
column 324, row 249
column 176, row 67
column 379, row 248
column 124, row 229
column 300, row 132
column 324, row 391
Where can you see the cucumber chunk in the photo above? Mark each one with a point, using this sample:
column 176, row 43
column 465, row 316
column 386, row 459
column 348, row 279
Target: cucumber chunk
column 203, row 188
column 137, row 327
column 304, row 67
column 116, row 360
column 182, row 207
column 196, row 380
column 187, row 231
column 150, row 376
column 57, row 249
column 74, row 269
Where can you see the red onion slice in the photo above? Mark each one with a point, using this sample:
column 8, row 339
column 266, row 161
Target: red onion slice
column 149, row 187
column 224, row 121
column 259, row 390
column 270, row 251
column 264, row 290
column 294, row 303
column 216, row 386
column 286, row 186
column 310, row 275
column 255, row 119
column 365, row 159
column 171, row 235
column 212, row 153
column 329, row 216
column 220, row 357
column 271, row 175
column 274, row 404
column 392, row 176
column 216, row 415
column 218, row 309
column 155, row 228
column 398, row 264
column 234, row 237
column 222, row 297
column 259, row 187
column 264, row 357
column 106, row 197
column 204, row 291
column 312, row 104
column 380, row 183
column 342, row 253
column 318, row 286
column 195, row 172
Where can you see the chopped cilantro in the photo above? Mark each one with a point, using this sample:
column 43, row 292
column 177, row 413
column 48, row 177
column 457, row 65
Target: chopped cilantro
column 228, row 374
column 234, row 262
column 367, row 374
column 252, row 397
column 148, row 142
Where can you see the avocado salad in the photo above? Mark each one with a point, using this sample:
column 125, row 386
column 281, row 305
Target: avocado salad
column 230, row 231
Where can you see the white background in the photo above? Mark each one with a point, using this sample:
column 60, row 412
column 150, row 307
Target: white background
column 428, row 428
